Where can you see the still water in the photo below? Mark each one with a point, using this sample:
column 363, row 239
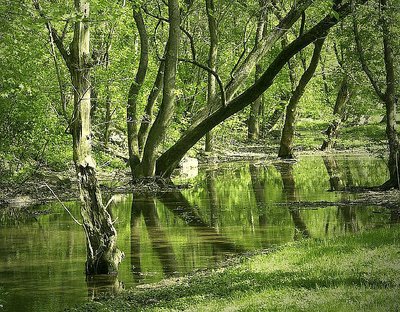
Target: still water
column 232, row 208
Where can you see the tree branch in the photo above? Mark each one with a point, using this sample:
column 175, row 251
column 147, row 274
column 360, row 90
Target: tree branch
column 363, row 62
column 57, row 39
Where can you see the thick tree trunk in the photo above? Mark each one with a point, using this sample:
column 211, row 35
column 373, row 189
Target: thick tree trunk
column 163, row 119
column 103, row 257
column 388, row 97
column 390, row 103
column 332, row 131
column 170, row 159
column 286, row 145
column 131, row 111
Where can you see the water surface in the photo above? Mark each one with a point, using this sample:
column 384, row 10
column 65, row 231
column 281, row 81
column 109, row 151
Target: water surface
column 232, row 208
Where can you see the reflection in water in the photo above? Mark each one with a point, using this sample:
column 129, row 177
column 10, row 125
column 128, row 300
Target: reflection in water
column 236, row 208
column 213, row 198
column 333, row 171
column 162, row 247
column 99, row 285
column 180, row 206
column 289, row 192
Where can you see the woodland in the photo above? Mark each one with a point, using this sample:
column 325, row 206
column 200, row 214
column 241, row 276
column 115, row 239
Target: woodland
column 94, row 88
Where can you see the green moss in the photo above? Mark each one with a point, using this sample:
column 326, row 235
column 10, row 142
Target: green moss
column 350, row 273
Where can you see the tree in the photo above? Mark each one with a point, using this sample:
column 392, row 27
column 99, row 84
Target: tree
column 103, row 256
column 387, row 96
column 170, row 159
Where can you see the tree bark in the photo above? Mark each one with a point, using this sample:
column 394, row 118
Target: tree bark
column 163, row 119
column 341, row 100
column 388, row 97
column 286, row 145
column 103, row 256
column 212, row 64
column 170, row 159
column 131, row 111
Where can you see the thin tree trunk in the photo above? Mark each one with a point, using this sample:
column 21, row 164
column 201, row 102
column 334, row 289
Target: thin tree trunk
column 286, row 145
column 332, row 131
column 253, row 126
column 147, row 118
column 212, row 64
column 108, row 117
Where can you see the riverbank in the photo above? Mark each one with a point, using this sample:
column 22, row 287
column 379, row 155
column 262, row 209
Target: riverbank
column 355, row 272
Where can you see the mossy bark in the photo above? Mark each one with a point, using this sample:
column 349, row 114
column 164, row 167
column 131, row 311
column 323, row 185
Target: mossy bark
column 103, row 256
column 286, row 145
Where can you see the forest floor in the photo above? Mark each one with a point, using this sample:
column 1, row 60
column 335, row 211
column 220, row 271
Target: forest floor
column 355, row 272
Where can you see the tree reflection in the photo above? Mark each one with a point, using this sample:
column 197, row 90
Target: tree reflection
column 290, row 195
column 179, row 205
column 146, row 206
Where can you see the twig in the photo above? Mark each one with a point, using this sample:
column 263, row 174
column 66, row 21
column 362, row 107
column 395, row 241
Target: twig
column 62, row 204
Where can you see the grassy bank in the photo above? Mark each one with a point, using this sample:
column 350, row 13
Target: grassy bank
column 351, row 273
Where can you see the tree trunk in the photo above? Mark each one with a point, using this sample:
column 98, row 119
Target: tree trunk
column 131, row 110
column 108, row 118
column 147, row 118
column 212, row 64
column 170, row 159
column 163, row 119
column 286, row 145
column 103, row 257
column 253, row 130
column 253, row 126
column 388, row 97
column 332, row 131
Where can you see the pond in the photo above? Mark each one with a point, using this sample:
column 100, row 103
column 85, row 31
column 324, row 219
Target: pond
column 231, row 208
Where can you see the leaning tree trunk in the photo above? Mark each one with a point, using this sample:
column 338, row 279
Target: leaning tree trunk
column 332, row 131
column 168, row 161
column 103, row 257
column 285, row 150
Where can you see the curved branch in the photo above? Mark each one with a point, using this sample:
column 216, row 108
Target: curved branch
column 54, row 34
column 212, row 72
column 364, row 65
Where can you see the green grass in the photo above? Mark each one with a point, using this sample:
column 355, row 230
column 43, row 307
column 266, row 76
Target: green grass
column 349, row 273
